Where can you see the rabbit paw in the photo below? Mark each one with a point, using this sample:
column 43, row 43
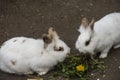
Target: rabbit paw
column 42, row 73
column 103, row 55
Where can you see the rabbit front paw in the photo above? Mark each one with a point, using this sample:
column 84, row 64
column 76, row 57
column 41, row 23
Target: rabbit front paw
column 42, row 73
column 103, row 55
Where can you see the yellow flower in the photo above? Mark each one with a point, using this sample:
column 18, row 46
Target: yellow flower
column 80, row 68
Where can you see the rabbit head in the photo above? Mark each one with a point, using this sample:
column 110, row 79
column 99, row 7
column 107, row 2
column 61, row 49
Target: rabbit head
column 86, row 33
column 52, row 42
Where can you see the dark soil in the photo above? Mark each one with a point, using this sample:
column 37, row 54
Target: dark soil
column 32, row 18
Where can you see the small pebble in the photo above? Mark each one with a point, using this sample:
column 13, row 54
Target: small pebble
column 92, row 74
column 104, row 75
column 38, row 10
column 91, row 4
column 31, row 27
column 80, row 9
column 42, row 16
column 119, row 67
column 98, row 79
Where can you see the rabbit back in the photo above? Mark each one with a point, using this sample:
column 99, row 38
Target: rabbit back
column 108, row 29
column 15, row 54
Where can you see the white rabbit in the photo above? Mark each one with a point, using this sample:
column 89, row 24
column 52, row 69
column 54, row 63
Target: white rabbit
column 21, row 55
column 100, row 36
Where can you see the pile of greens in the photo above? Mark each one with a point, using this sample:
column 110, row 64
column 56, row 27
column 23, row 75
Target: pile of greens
column 78, row 66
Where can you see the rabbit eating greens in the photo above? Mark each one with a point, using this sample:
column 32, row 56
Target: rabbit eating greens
column 22, row 55
column 99, row 36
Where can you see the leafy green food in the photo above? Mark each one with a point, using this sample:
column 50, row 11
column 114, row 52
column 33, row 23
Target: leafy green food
column 77, row 67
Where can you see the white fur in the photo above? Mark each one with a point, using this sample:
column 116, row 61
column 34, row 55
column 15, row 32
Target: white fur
column 104, row 36
column 30, row 55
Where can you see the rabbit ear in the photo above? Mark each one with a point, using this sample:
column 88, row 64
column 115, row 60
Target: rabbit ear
column 53, row 33
column 47, row 38
column 84, row 22
column 92, row 24
column 50, row 30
